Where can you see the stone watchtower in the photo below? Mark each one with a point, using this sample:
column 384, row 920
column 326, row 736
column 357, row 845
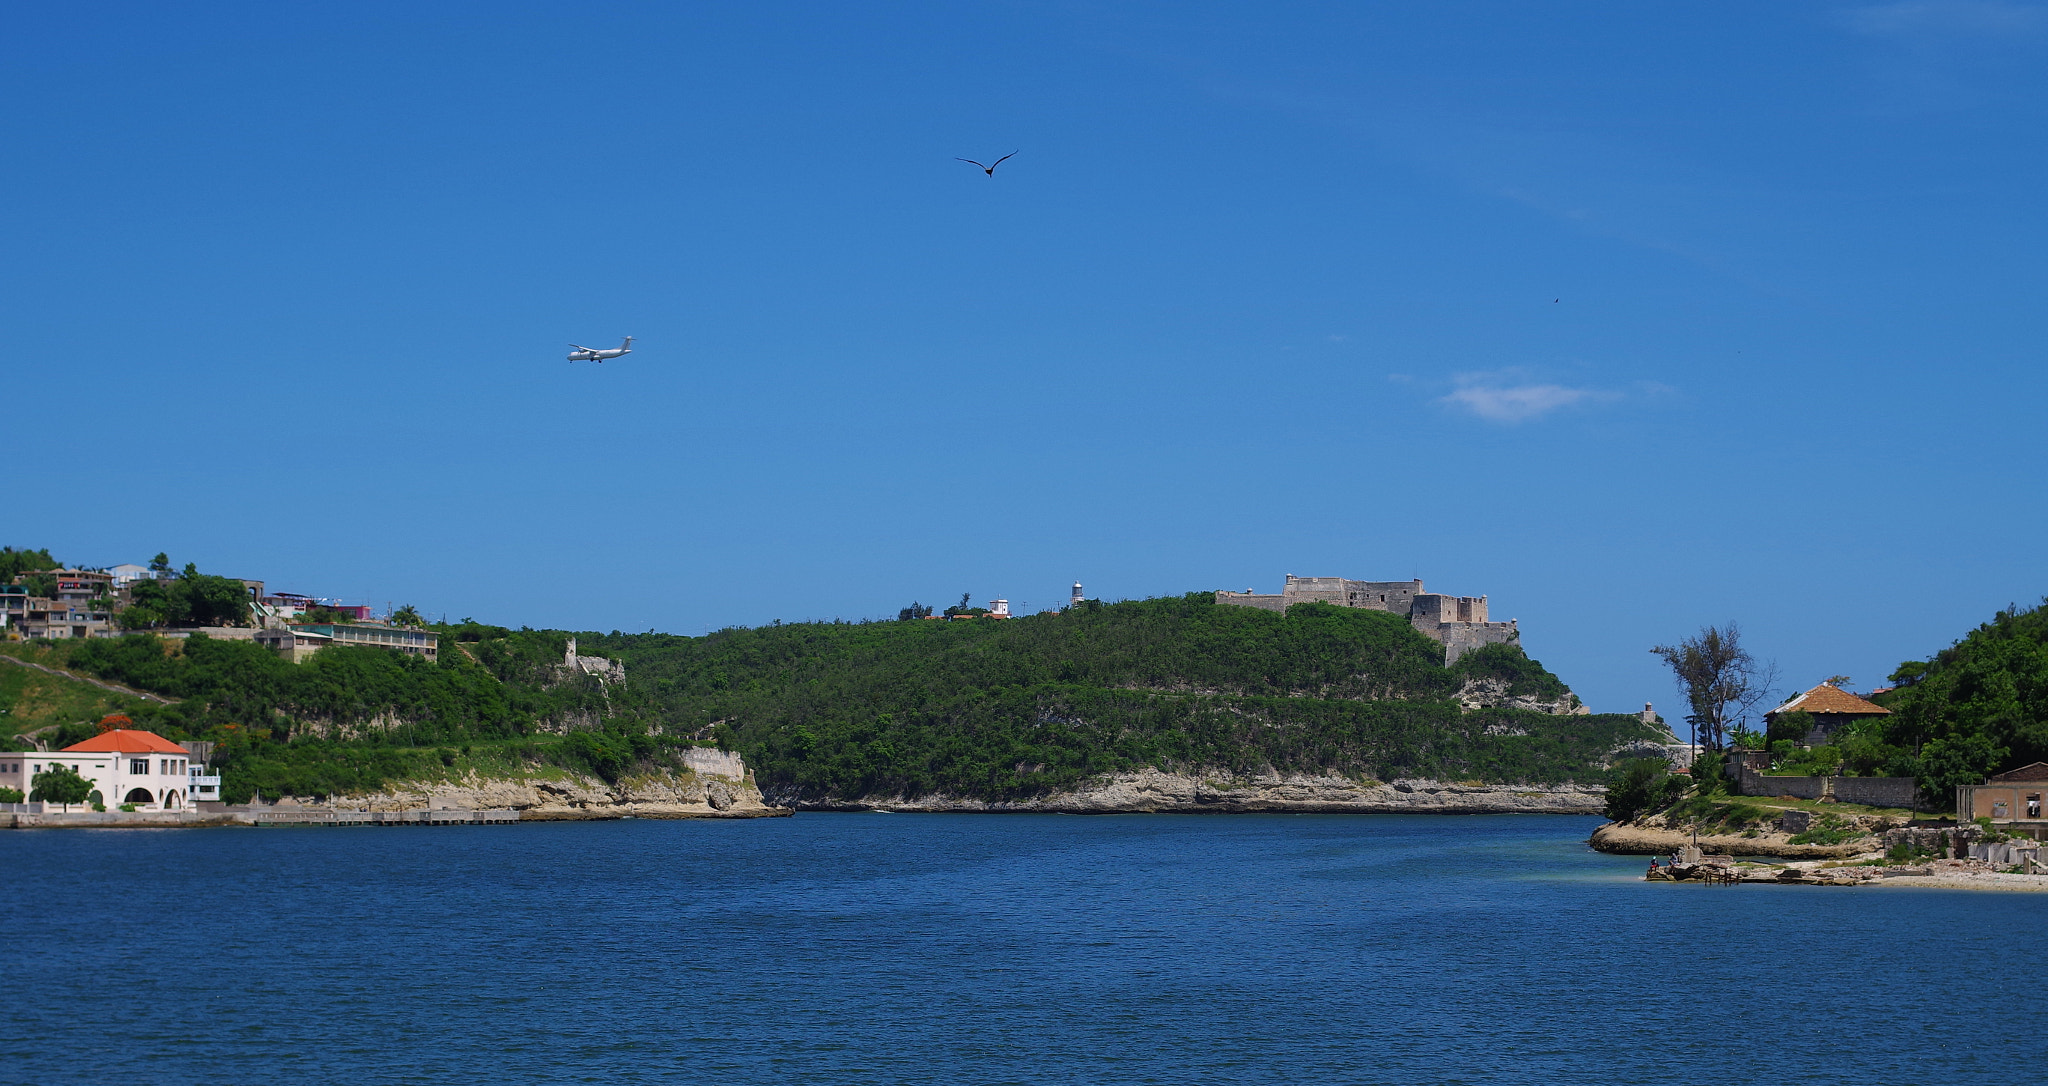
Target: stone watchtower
column 605, row 670
column 1459, row 622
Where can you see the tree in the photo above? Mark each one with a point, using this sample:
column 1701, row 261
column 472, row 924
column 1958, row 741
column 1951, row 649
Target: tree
column 40, row 584
column 962, row 607
column 59, row 784
column 1721, row 680
column 1795, row 726
column 1956, row 760
column 10, row 795
column 914, row 611
column 407, row 616
column 191, row 599
column 14, row 563
column 1640, row 786
column 161, row 563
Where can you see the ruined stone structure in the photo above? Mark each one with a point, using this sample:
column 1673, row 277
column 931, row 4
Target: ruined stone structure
column 605, row 670
column 1457, row 621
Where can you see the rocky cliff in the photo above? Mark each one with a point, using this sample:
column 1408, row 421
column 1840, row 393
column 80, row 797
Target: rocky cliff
column 708, row 784
column 1150, row 790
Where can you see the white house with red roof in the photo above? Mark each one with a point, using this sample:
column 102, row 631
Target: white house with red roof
column 124, row 766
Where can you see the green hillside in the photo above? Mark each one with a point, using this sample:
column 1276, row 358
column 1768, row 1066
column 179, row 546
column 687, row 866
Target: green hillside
column 1004, row 709
column 980, row 708
column 1978, row 707
column 349, row 719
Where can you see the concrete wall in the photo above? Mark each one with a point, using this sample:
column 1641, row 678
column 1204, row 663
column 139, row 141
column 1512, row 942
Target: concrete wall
column 1745, row 767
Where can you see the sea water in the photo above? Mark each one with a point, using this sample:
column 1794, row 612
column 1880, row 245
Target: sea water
column 873, row 948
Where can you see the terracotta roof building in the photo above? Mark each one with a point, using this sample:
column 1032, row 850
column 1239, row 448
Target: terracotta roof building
column 125, row 767
column 1832, row 708
column 127, row 741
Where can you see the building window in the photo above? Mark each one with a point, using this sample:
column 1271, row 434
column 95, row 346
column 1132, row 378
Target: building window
column 138, row 765
column 1998, row 808
column 2034, row 805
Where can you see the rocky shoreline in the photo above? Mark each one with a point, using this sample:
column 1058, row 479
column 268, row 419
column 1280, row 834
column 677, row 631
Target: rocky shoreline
column 565, row 796
column 1635, row 840
column 1149, row 791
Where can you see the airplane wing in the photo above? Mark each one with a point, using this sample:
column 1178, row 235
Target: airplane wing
column 579, row 346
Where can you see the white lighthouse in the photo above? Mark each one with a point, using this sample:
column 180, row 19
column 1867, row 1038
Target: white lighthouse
column 1076, row 600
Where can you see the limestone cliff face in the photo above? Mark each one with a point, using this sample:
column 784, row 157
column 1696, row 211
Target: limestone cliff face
column 1493, row 694
column 709, row 784
column 1149, row 790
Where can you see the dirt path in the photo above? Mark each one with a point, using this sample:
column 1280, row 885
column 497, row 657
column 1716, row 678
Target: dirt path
column 115, row 688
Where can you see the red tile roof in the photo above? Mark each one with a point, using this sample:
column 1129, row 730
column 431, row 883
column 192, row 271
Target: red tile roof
column 1828, row 699
column 2026, row 773
column 125, row 741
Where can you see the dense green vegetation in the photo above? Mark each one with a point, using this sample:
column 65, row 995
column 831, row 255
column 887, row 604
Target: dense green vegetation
column 969, row 707
column 353, row 719
column 1979, row 707
column 191, row 598
column 1038, row 704
column 1642, row 785
column 15, row 562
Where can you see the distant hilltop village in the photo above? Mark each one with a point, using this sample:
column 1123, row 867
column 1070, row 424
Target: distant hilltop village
column 1457, row 621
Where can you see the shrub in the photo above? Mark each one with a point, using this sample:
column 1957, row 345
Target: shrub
column 1635, row 787
column 1792, row 727
column 1827, row 830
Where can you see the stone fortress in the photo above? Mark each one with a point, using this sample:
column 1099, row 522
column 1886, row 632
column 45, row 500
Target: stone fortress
column 1457, row 621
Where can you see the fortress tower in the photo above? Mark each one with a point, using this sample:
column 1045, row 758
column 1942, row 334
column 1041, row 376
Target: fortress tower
column 1457, row 621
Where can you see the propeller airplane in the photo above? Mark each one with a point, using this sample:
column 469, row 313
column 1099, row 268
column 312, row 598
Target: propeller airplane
column 599, row 354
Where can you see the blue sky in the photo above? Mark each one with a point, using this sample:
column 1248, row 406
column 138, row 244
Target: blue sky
column 1631, row 317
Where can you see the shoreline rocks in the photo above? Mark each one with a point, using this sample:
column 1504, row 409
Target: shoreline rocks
column 571, row 796
column 1149, row 791
column 1629, row 839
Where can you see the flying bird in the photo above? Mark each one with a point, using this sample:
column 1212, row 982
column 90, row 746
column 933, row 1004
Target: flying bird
column 989, row 169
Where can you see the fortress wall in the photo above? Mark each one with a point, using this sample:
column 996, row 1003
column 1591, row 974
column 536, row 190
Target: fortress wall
column 1242, row 599
column 1396, row 596
column 1460, row 638
column 724, row 763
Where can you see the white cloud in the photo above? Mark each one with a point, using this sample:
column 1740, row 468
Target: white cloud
column 1919, row 17
column 1516, row 403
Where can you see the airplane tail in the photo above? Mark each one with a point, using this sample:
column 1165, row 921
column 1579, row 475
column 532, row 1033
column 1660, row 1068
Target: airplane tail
column 628, row 345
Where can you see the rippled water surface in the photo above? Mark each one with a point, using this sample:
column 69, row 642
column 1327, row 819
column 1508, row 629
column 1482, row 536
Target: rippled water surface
column 867, row 948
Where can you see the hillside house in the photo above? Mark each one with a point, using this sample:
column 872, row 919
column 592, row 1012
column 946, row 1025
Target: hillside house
column 1833, row 709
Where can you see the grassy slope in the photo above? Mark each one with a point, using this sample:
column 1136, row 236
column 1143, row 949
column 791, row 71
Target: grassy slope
column 32, row 699
column 402, row 718
column 1039, row 704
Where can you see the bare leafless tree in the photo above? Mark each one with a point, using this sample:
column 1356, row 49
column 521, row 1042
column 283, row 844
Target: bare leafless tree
column 1722, row 682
